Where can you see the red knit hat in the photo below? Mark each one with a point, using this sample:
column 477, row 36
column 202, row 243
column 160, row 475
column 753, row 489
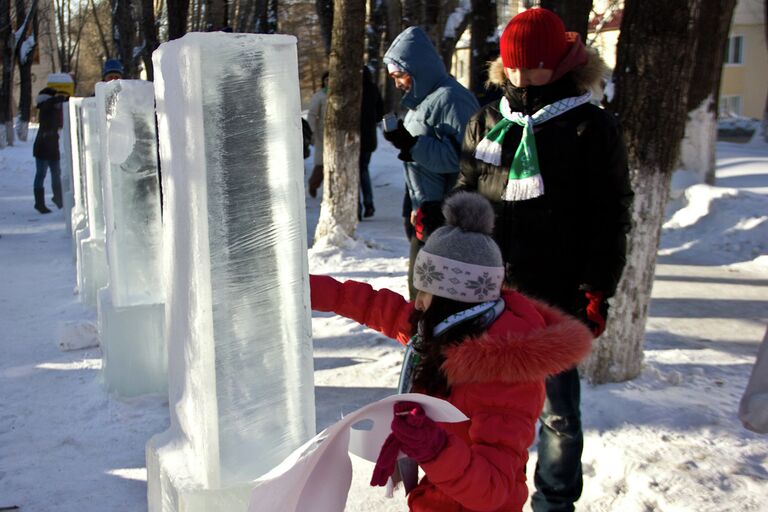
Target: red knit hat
column 534, row 39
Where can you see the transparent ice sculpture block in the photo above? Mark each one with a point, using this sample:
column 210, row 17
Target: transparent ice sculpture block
column 92, row 254
column 131, row 307
column 235, row 257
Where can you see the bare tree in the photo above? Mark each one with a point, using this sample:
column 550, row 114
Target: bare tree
column 325, row 17
column 178, row 12
column 26, row 21
column 124, row 34
column 698, row 147
column 106, row 47
column 456, row 23
column 266, row 16
column 70, row 21
column 652, row 84
column 394, row 27
column 341, row 149
column 149, row 36
column 484, row 45
column 216, row 13
column 8, row 49
column 574, row 13
column 765, row 38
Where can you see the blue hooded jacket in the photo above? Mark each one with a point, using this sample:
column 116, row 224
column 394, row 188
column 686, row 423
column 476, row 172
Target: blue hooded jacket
column 439, row 109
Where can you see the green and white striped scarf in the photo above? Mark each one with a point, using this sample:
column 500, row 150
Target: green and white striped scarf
column 524, row 177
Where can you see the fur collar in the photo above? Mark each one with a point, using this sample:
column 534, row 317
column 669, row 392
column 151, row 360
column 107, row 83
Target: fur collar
column 587, row 78
column 520, row 357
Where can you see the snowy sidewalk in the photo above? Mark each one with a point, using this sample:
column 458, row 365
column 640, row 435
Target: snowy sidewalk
column 668, row 441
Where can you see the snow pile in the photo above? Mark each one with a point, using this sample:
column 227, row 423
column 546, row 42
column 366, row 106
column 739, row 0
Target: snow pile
column 718, row 226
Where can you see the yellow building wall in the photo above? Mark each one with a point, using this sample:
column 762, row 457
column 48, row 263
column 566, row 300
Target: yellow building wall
column 750, row 79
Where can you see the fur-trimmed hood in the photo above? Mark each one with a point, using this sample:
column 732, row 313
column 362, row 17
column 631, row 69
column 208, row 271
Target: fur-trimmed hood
column 586, row 77
column 520, row 357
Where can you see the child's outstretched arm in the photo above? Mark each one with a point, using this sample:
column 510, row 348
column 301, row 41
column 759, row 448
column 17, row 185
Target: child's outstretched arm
column 383, row 310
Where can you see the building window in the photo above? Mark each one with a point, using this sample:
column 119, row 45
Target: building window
column 730, row 106
column 734, row 50
column 461, row 69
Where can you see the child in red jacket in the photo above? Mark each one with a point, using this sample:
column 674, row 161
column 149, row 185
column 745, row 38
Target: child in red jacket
column 485, row 350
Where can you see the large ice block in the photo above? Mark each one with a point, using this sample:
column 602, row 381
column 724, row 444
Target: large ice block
column 79, row 219
column 92, row 254
column 237, row 310
column 130, row 307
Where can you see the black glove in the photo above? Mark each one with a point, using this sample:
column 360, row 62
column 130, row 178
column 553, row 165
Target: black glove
column 405, row 155
column 432, row 219
column 401, row 139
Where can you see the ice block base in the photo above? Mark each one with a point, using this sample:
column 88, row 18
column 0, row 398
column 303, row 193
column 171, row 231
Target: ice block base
column 171, row 487
column 94, row 270
column 134, row 358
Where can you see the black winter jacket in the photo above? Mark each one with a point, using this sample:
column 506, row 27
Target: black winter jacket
column 573, row 238
column 46, row 146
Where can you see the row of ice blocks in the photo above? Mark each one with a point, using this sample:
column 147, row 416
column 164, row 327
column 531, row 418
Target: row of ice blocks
column 235, row 263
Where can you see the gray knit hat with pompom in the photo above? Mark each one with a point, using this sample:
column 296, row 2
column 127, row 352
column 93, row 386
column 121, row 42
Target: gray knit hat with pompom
column 460, row 260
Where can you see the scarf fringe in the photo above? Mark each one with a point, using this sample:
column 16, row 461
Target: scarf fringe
column 526, row 188
column 489, row 152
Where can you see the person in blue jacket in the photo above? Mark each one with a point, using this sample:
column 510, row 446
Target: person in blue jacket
column 429, row 137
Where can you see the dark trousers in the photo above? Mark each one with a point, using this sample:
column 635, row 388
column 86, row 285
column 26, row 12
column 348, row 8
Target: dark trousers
column 558, row 476
column 41, row 171
column 365, row 179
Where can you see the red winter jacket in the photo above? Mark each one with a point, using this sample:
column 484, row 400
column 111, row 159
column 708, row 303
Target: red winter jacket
column 497, row 381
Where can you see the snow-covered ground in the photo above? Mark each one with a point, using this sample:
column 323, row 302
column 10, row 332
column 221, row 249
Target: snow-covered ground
column 668, row 441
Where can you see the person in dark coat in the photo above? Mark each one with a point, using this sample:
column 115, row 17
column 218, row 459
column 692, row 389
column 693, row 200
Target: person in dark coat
column 46, row 147
column 554, row 167
column 371, row 111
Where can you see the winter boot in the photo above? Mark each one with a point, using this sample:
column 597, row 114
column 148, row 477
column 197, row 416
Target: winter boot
column 57, row 196
column 40, row 201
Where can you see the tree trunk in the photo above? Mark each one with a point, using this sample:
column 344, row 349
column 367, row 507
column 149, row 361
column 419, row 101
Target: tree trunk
column 484, row 45
column 375, row 27
column 412, row 12
column 765, row 36
column 216, row 14
column 325, row 17
column 178, row 11
column 341, row 149
column 149, row 31
column 266, row 22
column 103, row 38
column 652, row 84
column 28, row 39
column 698, row 148
column 124, row 35
column 8, row 47
column 574, row 13
column 455, row 25
column 394, row 27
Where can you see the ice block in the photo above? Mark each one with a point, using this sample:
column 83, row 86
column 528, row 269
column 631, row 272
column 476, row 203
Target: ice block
column 79, row 219
column 92, row 255
column 67, row 194
column 131, row 306
column 235, row 259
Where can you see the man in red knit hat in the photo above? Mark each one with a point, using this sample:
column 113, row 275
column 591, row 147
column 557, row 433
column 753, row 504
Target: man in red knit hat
column 554, row 167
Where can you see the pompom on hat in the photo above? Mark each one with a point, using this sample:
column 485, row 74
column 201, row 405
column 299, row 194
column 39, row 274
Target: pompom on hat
column 460, row 260
column 534, row 39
